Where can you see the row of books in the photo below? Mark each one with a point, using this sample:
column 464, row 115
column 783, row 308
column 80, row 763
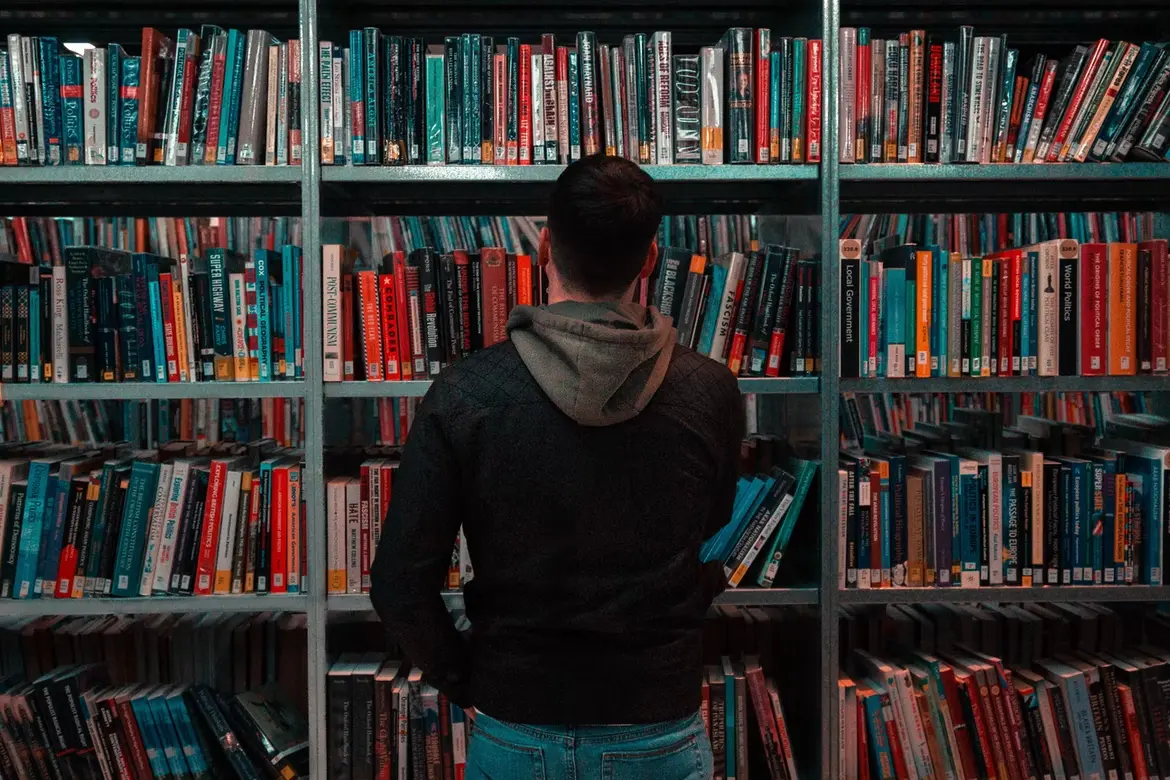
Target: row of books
column 984, row 234
column 178, row 520
column 71, row 705
column 42, row 240
column 113, row 316
column 206, row 98
column 395, row 100
column 1056, row 309
column 1074, row 690
column 972, row 502
column 371, row 422
column 920, row 98
column 766, row 509
column 892, row 414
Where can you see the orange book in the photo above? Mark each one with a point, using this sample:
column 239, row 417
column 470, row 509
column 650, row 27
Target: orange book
column 524, row 280
column 1122, row 319
column 209, row 541
column 370, row 331
column 922, row 313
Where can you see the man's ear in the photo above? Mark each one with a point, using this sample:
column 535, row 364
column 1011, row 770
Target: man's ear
column 544, row 249
column 651, row 260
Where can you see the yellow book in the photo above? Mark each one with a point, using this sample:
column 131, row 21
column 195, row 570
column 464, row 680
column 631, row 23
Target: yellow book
column 180, row 332
column 922, row 311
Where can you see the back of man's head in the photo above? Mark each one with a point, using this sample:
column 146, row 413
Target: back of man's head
column 603, row 216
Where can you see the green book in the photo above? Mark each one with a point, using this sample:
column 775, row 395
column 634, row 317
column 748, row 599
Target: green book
column 799, row 139
column 436, row 110
column 804, row 470
column 132, row 539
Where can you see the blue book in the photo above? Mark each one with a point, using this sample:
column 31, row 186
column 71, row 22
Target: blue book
column 775, row 73
column 135, row 527
column 969, row 530
column 714, row 298
column 731, row 532
column 49, row 62
column 128, row 102
column 743, row 487
column 263, row 259
column 57, row 508
column 51, row 519
column 895, row 315
column 879, row 742
column 32, row 528
column 72, row 111
column 150, row 736
column 371, row 39
column 233, row 83
column 156, row 315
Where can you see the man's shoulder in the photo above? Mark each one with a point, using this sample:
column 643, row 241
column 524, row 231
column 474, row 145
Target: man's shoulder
column 691, row 371
column 486, row 377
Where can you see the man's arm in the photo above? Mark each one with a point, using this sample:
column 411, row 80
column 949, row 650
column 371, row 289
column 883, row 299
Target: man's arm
column 730, row 438
column 414, row 553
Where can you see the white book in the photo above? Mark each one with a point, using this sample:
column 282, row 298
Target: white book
column 166, row 549
column 466, row 570
column 1048, row 720
column 237, row 306
column 725, row 325
column 846, row 119
column 189, row 322
column 990, row 104
column 335, row 533
column 1048, row 309
column 272, row 100
column 663, row 97
column 60, row 323
column 353, row 541
column 20, row 107
column 710, row 106
column 174, row 98
column 93, row 76
column 885, row 674
column 877, row 97
column 946, row 135
column 325, row 102
column 340, row 106
column 976, row 98
column 736, row 575
column 331, row 312
column 914, row 725
column 229, row 517
column 537, row 102
column 154, row 528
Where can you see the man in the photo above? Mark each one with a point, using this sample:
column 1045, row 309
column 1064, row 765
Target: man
column 586, row 459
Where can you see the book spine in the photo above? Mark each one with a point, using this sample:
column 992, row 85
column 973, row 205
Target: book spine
column 761, row 62
column 326, row 96
column 711, row 104
column 846, row 100
column 1095, row 272
column 739, row 83
column 96, row 81
column 8, row 134
column 918, row 77
column 686, row 119
column 564, row 131
column 934, row 101
column 525, row 104
column 814, row 100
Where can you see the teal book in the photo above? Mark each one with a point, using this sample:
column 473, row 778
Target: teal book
column 72, row 111
column 135, row 526
column 371, row 38
column 233, row 89
column 436, row 110
column 185, row 729
column 775, row 74
column 452, row 87
column 747, row 499
column 911, row 320
column 472, row 98
column 127, row 136
column 574, row 108
column 895, row 311
column 357, row 97
column 111, row 471
column 711, row 316
column 729, row 710
column 32, row 528
column 147, row 727
column 942, row 312
column 172, row 745
column 156, row 315
column 56, row 509
column 879, row 742
column 804, row 471
column 49, row 63
column 799, row 87
column 290, row 259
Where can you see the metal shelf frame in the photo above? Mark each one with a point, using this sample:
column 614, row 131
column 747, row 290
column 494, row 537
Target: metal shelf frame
column 314, row 191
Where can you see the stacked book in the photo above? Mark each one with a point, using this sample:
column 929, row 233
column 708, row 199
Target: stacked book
column 179, row 520
column 473, row 99
column 971, row 99
column 120, row 697
column 150, row 424
column 112, row 316
column 414, row 314
column 973, row 502
column 1034, row 690
column 202, row 98
column 42, row 240
column 1060, row 308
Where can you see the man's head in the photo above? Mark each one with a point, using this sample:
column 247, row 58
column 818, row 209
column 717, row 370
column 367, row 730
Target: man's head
column 603, row 220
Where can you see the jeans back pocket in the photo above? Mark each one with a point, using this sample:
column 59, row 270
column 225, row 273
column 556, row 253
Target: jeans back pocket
column 491, row 758
column 682, row 760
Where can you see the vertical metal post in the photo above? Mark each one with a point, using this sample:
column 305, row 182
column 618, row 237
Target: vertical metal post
column 314, row 393
column 830, row 372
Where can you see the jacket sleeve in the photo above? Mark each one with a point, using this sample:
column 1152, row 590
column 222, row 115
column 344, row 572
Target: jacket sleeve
column 414, row 553
column 729, row 438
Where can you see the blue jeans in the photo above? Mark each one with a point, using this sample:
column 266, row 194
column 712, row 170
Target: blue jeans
column 677, row 750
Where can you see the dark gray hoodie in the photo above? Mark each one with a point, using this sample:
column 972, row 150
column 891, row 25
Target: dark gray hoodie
column 599, row 363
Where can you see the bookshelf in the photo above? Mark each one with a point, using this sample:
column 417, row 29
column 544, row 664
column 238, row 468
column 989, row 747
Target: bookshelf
column 315, row 192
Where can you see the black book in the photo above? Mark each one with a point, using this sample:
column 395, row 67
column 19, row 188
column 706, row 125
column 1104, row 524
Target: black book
column 274, row 733
column 200, row 283
column 126, row 325
column 669, row 293
column 418, row 751
column 106, row 294
column 487, row 87
column 210, row 708
column 426, row 262
column 474, row 300
column 1152, row 94
column 190, row 532
column 362, row 692
column 25, row 363
column 1145, row 292
column 263, row 564
column 765, row 304
column 416, row 133
column 850, row 308
column 739, row 81
column 1068, row 74
column 108, row 553
column 11, row 549
column 46, row 315
column 393, row 88
column 1068, row 327
column 452, row 313
column 7, row 333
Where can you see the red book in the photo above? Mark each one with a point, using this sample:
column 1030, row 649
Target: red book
column 896, row 754
column 523, row 280
column 968, row 682
column 862, row 742
column 168, row 309
column 813, row 101
column 861, row 105
column 215, row 105
column 209, row 542
column 1061, row 140
column 463, row 283
column 187, row 100
column 278, row 525
column 1039, row 112
column 962, row 735
column 524, row 116
column 401, row 314
column 347, row 328
column 295, row 151
column 494, row 307
column 1016, row 116
column 387, row 477
column 155, row 47
column 562, row 95
column 1004, row 347
column 364, row 525
column 1160, row 274
column 780, row 325
column 762, row 54
column 8, row 135
column 370, row 335
column 67, row 564
column 389, row 326
column 129, row 727
column 765, row 719
column 404, row 418
column 1094, row 290
column 1129, row 714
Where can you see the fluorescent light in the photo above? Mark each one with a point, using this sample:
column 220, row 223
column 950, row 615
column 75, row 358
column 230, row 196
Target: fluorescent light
column 79, row 48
